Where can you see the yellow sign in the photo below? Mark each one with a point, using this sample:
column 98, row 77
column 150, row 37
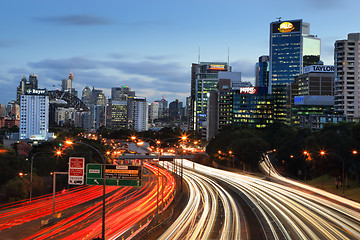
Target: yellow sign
column 121, row 171
column 286, row 27
column 217, row 67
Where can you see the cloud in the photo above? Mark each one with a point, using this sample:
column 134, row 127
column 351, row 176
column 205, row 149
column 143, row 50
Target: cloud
column 76, row 20
column 65, row 64
column 246, row 68
column 151, row 79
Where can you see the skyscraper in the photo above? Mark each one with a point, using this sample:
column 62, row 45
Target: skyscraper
column 347, row 76
column 34, row 115
column 262, row 72
column 291, row 48
column 140, row 114
column 26, row 85
column 204, row 78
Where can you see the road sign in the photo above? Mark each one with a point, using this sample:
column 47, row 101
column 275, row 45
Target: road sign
column 76, row 170
column 116, row 175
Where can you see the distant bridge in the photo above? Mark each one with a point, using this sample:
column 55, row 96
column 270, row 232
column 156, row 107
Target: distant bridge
column 72, row 100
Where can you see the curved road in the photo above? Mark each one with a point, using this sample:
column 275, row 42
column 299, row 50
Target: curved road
column 288, row 210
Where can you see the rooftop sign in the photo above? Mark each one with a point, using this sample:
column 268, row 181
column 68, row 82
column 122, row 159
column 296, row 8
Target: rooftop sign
column 319, row 68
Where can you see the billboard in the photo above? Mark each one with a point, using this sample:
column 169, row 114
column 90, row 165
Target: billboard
column 286, row 26
column 319, row 68
column 248, row 90
column 219, row 67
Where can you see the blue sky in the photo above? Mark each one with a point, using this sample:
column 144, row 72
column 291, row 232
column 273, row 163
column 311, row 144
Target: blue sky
column 150, row 45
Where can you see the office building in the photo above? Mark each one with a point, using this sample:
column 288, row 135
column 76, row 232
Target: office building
column 262, row 72
column 253, row 106
column 66, row 85
column 163, row 108
column 86, row 96
column 316, row 81
column 153, row 111
column 140, row 114
column 175, row 110
column 120, row 108
column 97, row 117
column 34, row 115
column 204, row 79
column 26, row 85
column 347, row 76
column 119, row 114
column 291, row 48
column 314, row 111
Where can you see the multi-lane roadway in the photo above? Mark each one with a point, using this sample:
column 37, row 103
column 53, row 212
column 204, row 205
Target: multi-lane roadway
column 283, row 209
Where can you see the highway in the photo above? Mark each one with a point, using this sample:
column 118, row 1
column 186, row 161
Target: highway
column 285, row 210
column 125, row 208
column 211, row 213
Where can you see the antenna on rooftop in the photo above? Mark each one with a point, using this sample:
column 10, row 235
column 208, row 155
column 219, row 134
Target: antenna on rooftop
column 199, row 56
column 228, row 56
column 279, row 18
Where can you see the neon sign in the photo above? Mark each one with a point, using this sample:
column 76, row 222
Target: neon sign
column 286, row 27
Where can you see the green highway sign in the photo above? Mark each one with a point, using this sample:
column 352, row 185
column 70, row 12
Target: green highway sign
column 113, row 182
column 93, row 170
column 115, row 175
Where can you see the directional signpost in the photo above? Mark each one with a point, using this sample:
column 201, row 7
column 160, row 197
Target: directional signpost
column 115, row 175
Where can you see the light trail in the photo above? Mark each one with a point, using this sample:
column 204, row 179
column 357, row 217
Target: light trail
column 198, row 219
column 125, row 207
column 297, row 214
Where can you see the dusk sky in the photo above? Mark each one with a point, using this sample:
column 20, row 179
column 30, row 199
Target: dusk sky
column 150, row 45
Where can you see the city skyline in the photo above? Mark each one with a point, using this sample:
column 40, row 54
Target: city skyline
column 149, row 46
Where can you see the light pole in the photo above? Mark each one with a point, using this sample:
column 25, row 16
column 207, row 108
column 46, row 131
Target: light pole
column 54, row 187
column 354, row 153
column 31, row 170
column 104, row 184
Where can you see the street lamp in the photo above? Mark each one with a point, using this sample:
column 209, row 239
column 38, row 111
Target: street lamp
column 58, row 152
column 322, row 153
column 354, row 153
column 104, row 185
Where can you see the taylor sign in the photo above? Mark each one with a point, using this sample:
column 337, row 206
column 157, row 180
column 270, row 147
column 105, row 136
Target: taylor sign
column 76, row 170
column 319, row 68
column 248, row 90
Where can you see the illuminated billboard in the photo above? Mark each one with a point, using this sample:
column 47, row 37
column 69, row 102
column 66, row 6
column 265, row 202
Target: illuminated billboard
column 248, row 90
column 287, row 27
column 217, row 67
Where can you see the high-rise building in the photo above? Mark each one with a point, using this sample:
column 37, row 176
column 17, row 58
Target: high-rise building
column 26, row 85
column 175, row 109
column 154, row 111
column 118, row 93
column 119, row 114
column 316, row 81
column 86, row 96
column 121, row 107
column 66, row 85
column 140, row 114
column 291, row 48
column 97, row 97
column 204, row 79
column 34, row 115
column 98, row 117
column 347, row 76
column 262, row 72
column 163, row 108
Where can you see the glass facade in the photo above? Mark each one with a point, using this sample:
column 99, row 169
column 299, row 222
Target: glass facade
column 204, row 80
column 255, row 110
column 291, row 48
column 286, row 57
